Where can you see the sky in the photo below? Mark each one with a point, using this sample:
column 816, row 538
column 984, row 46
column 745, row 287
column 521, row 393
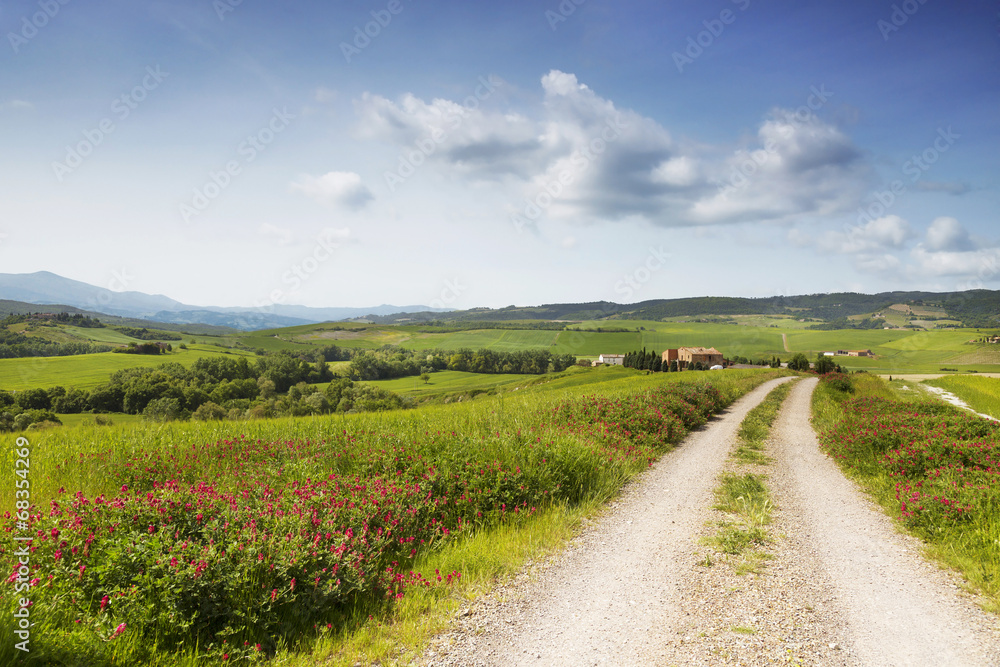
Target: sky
column 463, row 154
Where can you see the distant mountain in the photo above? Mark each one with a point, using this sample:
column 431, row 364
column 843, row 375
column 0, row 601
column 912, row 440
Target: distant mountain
column 46, row 288
column 974, row 308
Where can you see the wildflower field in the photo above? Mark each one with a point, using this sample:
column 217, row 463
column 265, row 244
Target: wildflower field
column 933, row 466
column 226, row 542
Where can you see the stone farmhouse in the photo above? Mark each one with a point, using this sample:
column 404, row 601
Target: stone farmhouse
column 610, row 360
column 686, row 356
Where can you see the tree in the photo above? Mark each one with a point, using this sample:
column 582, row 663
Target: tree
column 209, row 411
column 162, row 409
column 266, row 388
column 33, row 399
column 825, row 364
column 799, row 362
column 425, row 377
column 317, row 403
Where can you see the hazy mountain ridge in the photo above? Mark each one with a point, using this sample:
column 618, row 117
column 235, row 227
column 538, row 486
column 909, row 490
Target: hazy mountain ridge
column 47, row 288
column 975, row 308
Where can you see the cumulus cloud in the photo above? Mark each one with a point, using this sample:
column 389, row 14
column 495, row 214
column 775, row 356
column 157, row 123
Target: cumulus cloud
column 948, row 234
column 580, row 157
column 874, row 247
column 973, row 265
column 890, row 246
column 888, row 233
column 949, row 250
column 798, row 165
column 343, row 188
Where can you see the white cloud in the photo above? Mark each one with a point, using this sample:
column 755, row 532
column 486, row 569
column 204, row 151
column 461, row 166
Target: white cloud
column 975, row 265
column 886, row 246
column 948, row 234
column 798, row 166
column 949, row 250
column 679, row 172
column 888, row 233
column 578, row 157
column 343, row 188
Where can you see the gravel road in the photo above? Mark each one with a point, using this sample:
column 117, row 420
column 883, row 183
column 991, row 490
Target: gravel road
column 842, row 586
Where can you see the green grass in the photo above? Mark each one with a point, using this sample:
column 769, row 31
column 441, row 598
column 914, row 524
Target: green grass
column 756, row 426
column 450, row 382
column 981, row 393
column 745, row 497
column 85, row 371
column 70, row 421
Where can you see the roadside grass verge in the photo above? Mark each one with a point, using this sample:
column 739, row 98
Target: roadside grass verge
column 932, row 467
column 743, row 496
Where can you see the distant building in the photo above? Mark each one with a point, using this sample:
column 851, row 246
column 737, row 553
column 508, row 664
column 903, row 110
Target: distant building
column 612, row 359
column 829, row 354
column 860, row 353
column 686, row 356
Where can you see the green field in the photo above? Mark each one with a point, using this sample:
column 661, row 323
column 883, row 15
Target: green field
column 982, row 394
column 84, row 419
column 448, row 382
column 897, row 351
column 89, row 370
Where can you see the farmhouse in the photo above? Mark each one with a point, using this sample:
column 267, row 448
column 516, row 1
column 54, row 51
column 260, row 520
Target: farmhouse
column 686, row 356
column 612, row 359
column 860, row 353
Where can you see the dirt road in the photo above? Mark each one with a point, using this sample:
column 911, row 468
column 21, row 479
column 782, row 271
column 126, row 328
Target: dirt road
column 843, row 587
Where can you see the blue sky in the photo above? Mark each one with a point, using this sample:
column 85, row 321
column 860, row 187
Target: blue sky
column 464, row 154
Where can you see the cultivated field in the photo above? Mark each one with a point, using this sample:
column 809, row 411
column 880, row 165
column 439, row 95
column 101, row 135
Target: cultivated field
column 86, row 371
column 896, row 351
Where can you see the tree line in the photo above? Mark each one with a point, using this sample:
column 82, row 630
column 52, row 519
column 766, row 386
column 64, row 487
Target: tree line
column 392, row 362
column 213, row 388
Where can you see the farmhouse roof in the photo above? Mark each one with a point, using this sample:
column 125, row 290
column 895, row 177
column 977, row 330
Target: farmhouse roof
column 701, row 350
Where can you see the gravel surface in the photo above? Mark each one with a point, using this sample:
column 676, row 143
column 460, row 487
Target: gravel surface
column 842, row 587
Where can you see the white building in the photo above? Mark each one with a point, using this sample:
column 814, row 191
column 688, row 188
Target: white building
column 612, row 359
